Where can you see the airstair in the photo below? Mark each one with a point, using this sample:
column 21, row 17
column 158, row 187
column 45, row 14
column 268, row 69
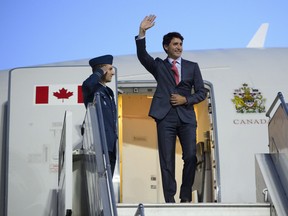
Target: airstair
column 94, row 194
column 203, row 209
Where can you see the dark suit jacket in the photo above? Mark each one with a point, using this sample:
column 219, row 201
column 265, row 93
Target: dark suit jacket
column 89, row 87
column 191, row 78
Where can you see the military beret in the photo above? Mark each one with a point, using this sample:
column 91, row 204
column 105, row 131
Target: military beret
column 105, row 59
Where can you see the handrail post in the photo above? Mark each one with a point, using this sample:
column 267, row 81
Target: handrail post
column 140, row 210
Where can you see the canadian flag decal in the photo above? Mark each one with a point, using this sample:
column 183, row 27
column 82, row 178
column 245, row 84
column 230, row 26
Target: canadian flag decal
column 59, row 94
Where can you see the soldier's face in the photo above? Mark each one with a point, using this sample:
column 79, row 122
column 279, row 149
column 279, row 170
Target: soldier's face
column 107, row 77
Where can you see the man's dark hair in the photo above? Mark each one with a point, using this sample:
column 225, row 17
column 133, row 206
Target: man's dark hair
column 168, row 37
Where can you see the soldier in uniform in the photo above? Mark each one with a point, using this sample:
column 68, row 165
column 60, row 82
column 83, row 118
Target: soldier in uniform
column 102, row 73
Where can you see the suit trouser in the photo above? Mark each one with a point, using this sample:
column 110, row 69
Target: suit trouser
column 167, row 130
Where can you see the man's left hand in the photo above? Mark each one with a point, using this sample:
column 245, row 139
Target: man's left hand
column 177, row 100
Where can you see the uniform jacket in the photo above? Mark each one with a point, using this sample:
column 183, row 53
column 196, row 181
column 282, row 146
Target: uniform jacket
column 191, row 78
column 89, row 87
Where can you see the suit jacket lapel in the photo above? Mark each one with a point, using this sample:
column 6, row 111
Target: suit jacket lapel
column 184, row 68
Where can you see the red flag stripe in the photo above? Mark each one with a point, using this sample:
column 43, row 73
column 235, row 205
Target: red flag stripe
column 80, row 96
column 42, row 93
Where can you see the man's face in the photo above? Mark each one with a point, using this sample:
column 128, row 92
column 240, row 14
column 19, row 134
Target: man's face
column 174, row 49
column 109, row 74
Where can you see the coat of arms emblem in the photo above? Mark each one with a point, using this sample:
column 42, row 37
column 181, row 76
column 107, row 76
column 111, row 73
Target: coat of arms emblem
column 248, row 100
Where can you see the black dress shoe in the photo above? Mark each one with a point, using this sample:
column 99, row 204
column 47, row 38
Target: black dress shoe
column 170, row 200
column 184, row 201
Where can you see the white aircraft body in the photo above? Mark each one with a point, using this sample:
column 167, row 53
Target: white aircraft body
column 241, row 83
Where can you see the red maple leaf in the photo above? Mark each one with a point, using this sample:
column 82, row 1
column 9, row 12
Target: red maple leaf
column 63, row 94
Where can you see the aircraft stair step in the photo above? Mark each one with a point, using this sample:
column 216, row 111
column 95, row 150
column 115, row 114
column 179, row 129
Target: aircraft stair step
column 196, row 209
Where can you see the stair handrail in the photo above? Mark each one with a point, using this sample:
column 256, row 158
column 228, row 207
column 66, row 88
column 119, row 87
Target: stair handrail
column 283, row 104
column 95, row 146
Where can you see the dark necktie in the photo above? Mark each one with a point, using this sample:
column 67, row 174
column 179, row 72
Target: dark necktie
column 176, row 72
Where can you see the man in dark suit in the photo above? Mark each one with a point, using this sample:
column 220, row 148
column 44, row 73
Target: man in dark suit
column 172, row 108
column 103, row 72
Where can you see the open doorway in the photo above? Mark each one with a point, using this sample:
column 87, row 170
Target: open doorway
column 140, row 176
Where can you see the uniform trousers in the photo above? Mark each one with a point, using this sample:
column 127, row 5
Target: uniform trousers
column 112, row 160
